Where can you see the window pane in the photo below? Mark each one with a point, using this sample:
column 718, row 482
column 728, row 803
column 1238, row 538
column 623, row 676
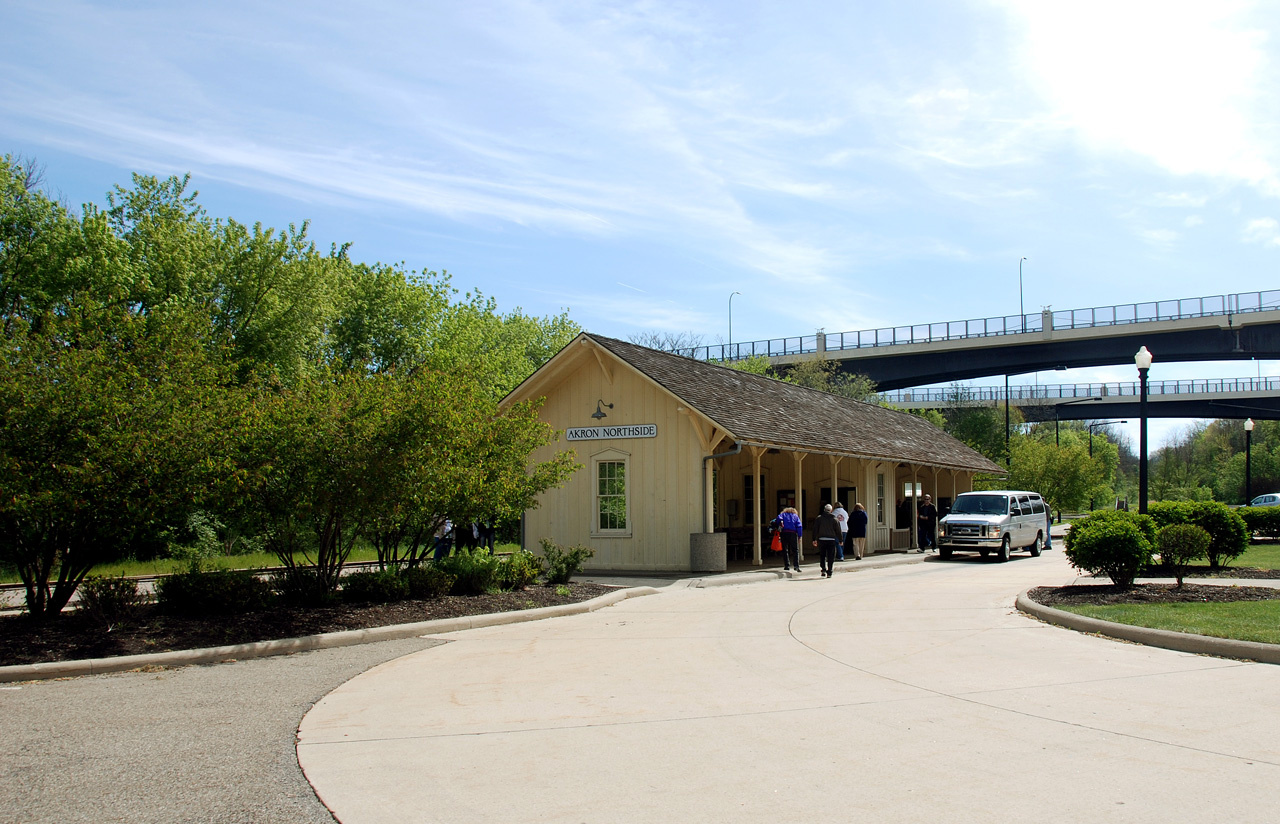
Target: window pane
column 611, row 494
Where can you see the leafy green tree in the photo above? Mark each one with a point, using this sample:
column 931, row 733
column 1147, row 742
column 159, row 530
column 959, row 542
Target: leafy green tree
column 1226, row 528
column 499, row 351
column 1065, row 475
column 456, row 456
column 107, row 422
column 1180, row 544
column 388, row 457
column 755, row 365
column 823, row 375
column 158, row 363
column 979, row 426
column 1112, row 543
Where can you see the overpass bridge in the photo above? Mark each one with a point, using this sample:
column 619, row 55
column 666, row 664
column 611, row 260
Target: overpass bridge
column 1239, row 326
column 1212, row 398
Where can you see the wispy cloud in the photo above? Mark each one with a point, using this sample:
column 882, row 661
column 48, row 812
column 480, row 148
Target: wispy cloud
column 1175, row 81
column 1264, row 230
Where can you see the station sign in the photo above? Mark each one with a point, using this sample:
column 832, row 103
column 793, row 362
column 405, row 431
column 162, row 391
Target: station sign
column 605, row 433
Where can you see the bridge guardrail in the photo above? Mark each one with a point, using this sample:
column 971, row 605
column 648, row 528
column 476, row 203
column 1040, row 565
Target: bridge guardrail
column 1069, row 391
column 1117, row 315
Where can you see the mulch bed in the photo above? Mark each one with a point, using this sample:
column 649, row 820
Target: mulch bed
column 73, row 636
column 1101, row 594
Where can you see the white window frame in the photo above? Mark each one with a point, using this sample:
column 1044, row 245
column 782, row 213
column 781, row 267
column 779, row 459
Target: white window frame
column 610, row 456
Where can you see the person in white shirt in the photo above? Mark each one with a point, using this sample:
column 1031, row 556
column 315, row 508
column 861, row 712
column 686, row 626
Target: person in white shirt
column 842, row 518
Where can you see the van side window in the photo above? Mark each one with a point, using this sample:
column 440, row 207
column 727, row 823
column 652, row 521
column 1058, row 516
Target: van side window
column 1037, row 505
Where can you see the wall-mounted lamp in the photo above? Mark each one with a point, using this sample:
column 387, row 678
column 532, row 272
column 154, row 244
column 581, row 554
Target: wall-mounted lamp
column 599, row 413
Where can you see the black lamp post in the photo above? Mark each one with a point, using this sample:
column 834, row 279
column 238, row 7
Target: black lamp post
column 1092, row 427
column 1143, row 361
column 1008, row 456
column 1248, row 470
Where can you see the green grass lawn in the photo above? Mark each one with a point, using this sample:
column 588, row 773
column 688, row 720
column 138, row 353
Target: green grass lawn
column 1260, row 556
column 167, row 566
column 1243, row 621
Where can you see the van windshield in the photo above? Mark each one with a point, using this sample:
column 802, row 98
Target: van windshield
column 980, row 505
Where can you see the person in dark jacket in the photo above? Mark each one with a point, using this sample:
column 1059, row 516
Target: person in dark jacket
column 858, row 531
column 792, row 530
column 927, row 514
column 826, row 538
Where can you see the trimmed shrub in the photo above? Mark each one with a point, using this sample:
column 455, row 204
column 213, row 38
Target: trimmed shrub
column 382, row 587
column 1227, row 531
column 1118, row 545
column 303, row 587
column 1261, row 521
column 475, row 571
column 110, row 602
column 562, row 564
column 519, row 569
column 1179, row 545
column 427, row 582
column 197, row 593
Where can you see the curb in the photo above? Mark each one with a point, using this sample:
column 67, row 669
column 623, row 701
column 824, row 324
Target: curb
column 306, row 643
column 1179, row 641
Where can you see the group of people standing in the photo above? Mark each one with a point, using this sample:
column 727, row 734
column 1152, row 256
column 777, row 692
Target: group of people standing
column 836, row 532
column 463, row 536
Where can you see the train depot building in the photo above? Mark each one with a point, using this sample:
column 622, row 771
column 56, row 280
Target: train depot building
column 686, row 462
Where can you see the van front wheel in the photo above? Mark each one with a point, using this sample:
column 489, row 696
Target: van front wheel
column 1004, row 550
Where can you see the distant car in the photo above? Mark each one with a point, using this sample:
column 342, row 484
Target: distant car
column 1270, row 499
column 1000, row 519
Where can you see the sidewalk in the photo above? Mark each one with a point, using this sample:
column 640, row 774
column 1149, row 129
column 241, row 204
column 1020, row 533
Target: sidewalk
column 916, row 693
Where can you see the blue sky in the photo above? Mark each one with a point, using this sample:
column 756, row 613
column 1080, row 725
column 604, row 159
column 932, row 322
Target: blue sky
column 841, row 165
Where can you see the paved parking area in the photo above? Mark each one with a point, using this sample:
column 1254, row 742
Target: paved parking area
column 199, row 745
column 905, row 694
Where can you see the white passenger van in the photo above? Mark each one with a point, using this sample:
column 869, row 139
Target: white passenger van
column 1000, row 519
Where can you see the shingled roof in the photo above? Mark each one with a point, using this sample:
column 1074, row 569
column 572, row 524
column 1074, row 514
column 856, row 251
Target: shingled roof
column 758, row 410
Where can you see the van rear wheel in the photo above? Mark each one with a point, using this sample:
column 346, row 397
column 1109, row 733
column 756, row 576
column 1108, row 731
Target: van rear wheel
column 1035, row 548
column 1004, row 550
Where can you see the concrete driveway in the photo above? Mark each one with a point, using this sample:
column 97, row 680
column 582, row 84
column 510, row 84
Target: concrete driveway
column 906, row 694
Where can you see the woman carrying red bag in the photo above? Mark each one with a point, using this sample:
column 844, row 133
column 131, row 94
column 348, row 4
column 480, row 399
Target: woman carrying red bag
column 792, row 530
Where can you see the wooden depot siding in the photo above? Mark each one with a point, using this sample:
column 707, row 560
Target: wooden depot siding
column 664, row 472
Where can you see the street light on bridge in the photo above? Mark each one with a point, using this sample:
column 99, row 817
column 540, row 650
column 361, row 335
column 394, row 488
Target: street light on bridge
column 731, row 317
column 1056, row 441
column 1022, row 309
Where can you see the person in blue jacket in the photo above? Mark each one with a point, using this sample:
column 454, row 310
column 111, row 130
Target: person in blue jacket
column 792, row 531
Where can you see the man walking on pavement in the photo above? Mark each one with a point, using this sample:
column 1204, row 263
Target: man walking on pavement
column 927, row 514
column 825, row 536
column 842, row 518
